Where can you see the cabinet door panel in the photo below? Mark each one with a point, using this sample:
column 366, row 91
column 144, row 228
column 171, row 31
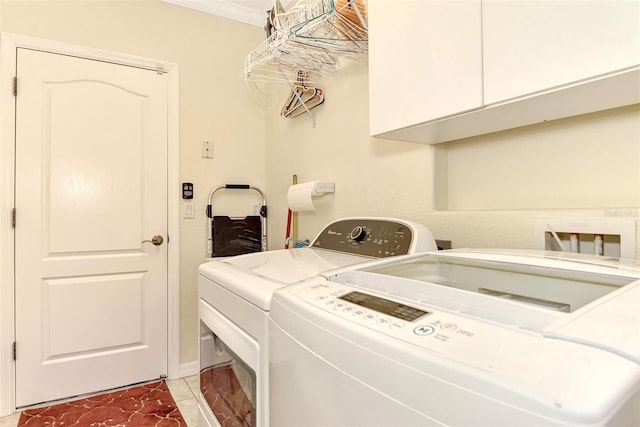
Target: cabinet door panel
column 425, row 61
column 536, row 45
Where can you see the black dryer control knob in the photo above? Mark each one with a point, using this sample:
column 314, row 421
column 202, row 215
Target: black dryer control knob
column 358, row 233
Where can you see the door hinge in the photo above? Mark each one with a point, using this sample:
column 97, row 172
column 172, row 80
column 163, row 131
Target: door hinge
column 15, row 86
column 13, row 218
column 14, row 350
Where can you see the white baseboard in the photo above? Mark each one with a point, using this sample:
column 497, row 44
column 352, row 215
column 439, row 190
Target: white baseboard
column 189, row 369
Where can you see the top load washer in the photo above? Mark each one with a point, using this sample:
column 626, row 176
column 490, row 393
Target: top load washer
column 460, row 338
column 234, row 299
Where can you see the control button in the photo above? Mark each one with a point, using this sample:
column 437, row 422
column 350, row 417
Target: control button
column 358, row 233
column 370, row 316
column 359, row 313
column 348, row 309
column 337, row 305
column 423, row 330
column 330, row 302
column 383, row 321
column 396, row 325
column 448, row 326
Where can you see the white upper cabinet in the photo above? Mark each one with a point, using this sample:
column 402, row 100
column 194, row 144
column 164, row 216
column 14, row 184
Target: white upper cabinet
column 446, row 70
column 536, row 45
column 425, row 61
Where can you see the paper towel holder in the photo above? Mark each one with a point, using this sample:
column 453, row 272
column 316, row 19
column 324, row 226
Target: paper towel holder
column 323, row 187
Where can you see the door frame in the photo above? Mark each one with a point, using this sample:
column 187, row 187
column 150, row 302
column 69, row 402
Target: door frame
column 9, row 43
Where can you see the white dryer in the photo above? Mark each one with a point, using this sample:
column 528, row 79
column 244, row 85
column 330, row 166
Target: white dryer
column 460, row 338
column 234, row 299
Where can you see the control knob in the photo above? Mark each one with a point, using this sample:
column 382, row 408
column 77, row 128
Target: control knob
column 358, row 233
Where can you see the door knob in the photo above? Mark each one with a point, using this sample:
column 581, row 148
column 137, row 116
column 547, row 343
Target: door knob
column 156, row 240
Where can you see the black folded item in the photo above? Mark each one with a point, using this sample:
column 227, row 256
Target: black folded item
column 236, row 236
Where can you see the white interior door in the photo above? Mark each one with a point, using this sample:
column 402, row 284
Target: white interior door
column 91, row 186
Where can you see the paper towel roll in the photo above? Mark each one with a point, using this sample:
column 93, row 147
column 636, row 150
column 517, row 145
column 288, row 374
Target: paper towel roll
column 300, row 196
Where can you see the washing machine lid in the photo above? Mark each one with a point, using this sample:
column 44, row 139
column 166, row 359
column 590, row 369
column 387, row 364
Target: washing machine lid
column 255, row 277
column 294, row 265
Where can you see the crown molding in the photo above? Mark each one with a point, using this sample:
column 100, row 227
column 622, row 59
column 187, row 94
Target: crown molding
column 226, row 9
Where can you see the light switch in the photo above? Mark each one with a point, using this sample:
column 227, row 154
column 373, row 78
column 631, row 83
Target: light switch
column 189, row 210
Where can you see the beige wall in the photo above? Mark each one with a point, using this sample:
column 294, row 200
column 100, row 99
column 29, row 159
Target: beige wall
column 373, row 177
column 214, row 102
column 479, row 192
column 489, row 190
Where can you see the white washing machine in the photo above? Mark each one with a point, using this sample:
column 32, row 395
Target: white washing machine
column 234, row 299
column 460, row 338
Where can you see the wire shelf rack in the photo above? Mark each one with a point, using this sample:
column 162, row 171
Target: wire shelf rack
column 313, row 36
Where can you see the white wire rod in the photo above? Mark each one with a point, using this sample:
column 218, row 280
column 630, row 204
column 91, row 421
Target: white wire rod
column 281, row 76
column 295, row 55
column 287, row 51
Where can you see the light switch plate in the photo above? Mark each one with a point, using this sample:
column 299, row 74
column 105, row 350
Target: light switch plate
column 188, row 208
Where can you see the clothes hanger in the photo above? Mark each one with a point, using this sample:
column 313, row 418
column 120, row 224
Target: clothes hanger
column 312, row 102
column 301, row 98
column 308, row 96
column 341, row 28
column 313, row 35
column 297, row 90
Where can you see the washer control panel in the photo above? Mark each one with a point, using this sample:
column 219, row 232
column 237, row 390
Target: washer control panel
column 433, row 329
column 384, row 306
column 377, row 238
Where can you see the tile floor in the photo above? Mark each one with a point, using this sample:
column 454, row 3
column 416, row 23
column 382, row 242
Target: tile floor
column 183, row 390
